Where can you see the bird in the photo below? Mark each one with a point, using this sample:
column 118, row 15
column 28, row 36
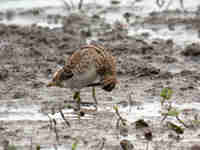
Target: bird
column 90, row 66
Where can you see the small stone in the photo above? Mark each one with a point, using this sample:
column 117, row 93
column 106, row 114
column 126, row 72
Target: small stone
column 195, row 147
column 192, row 50
column 148, row 134
column 3, row 73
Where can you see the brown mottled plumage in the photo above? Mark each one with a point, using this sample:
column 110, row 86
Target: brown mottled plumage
column 89, row 64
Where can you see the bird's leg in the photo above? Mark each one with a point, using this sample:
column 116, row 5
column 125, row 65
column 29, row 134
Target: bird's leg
column 78, row 99
column 94, row 96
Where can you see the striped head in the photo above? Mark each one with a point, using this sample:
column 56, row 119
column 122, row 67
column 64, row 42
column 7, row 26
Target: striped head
column 109, row 83
column 57, row 79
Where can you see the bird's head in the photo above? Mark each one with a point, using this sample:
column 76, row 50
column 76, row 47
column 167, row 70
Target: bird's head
column 57, row 78
column 109, row 82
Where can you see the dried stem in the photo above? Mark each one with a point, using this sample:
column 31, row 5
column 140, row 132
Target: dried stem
column 165, row 116
column 50, row 121
column 120, row 117
column 182, row 122
column 182, row 5
column 170, row 2
column 66, row 4
column 72, row 4
column 31, row 143
column 160, row 3
column 63, row 117
column 55, row 130
column 102, row 144
column 80, row 4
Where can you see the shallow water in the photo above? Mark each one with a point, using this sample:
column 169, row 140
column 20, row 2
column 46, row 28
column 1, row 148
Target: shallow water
column 179, row 35
column 27, row 4
column 148, row 5
column 14, row 111
column 62, row 147
column 152, row 109
column 111, row 13
column 22, row 109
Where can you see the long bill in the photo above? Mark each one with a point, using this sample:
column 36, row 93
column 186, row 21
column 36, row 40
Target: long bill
column 53, row 83
column 94, row 84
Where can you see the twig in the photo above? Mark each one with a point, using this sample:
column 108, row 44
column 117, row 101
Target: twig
column 66, row 4
column 55, row 130
column 72, row 4
column 31, row 142
column 63, row 117
column 80, row 4
column 117, row 123
column 182, row 5
column 120, row 117
column 182, row 122
column 160, row 3
column 102, row 144
column 170, row 2
column 50, row 121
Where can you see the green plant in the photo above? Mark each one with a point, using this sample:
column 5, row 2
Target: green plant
column 120, row 119
column 38, row 147
column 174, row 127
column 75, row 144
column 173, row 112
column 166, row 94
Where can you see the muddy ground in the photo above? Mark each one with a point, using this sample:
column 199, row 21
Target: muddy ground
column 30, row 55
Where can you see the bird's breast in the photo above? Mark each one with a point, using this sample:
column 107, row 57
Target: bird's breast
column 80, row 80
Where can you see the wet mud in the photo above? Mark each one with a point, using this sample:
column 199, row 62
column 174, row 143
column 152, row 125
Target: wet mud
column 29, row 55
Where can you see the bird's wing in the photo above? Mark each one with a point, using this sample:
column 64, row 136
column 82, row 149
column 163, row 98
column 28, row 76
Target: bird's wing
column 72, row 61
column 79, row 62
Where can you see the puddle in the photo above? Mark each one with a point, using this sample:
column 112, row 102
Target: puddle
column 180, row 35
column 110, row 12
column 26, row 4
column 69, row 113
column 62, row 147
column 146, row 111
column 152, row 110
column 190, row 106
column 17, row 112
column 147, row 6
column 43, row 21
column 51, row 26
column 174, row 68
